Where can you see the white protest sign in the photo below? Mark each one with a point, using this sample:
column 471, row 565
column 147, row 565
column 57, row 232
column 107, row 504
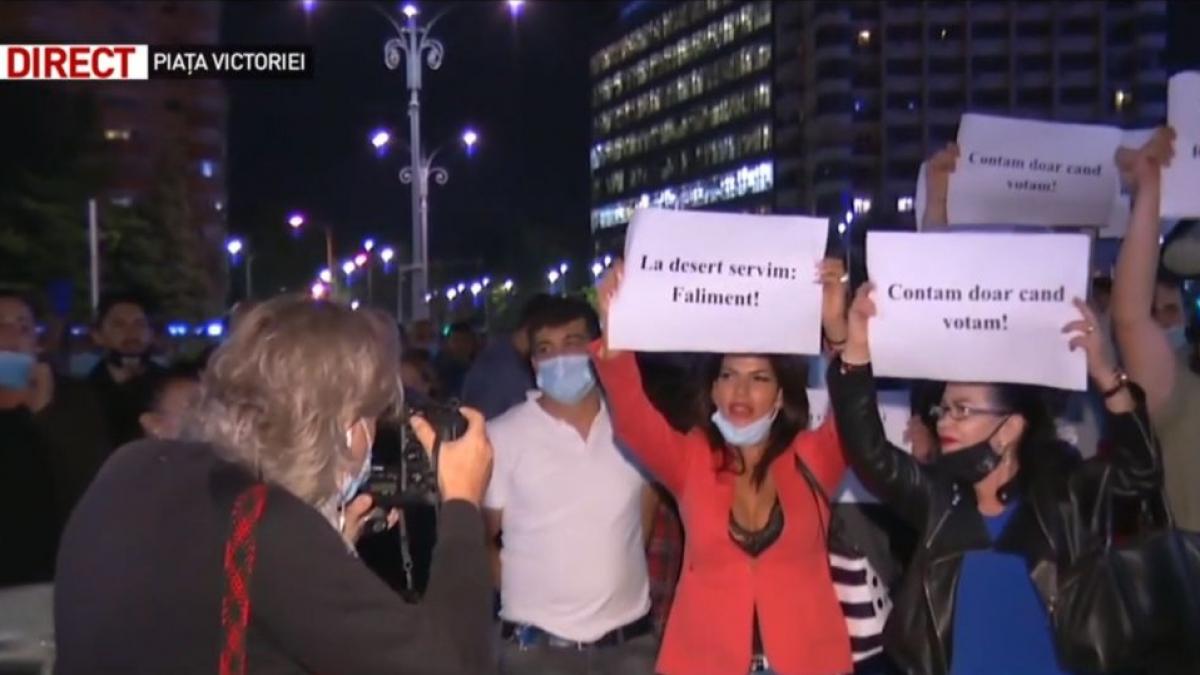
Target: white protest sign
column 1029, row 172
column 977, row 307
column 1181, row 180
column 697, row 281
column 1118, row 219
column 893, row 412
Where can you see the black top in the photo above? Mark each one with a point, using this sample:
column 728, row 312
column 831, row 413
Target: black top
column 1051, row 527
column 140, row 581
column 754, row 543
column 28, row 518
column 123, row 402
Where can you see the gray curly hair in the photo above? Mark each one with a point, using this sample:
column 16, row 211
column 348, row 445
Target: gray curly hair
column 295, row 373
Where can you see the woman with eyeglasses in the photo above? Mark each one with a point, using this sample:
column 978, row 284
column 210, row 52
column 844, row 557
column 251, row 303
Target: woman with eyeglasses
column 1003, row 502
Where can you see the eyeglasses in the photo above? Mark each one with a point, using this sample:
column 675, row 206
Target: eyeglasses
column 961, row 411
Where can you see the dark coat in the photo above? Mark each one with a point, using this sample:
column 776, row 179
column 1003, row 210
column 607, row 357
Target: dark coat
column 1051, row 527
column 140, row 581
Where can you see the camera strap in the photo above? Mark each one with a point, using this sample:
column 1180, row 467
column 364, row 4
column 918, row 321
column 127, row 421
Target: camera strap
column 406, row 552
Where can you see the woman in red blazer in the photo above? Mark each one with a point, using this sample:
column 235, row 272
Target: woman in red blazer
column 755, row 593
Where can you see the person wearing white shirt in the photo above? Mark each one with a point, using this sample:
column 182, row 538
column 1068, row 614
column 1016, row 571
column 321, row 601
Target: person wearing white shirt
column 564, row 510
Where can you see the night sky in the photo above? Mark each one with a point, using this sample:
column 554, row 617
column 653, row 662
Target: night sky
column 517, row 204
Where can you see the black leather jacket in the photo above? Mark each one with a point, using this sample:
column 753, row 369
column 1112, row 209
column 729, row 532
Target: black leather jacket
column 1049, row 530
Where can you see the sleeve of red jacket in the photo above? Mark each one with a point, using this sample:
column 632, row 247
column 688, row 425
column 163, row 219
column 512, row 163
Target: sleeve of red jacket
column 821, row 449
column 638, row 424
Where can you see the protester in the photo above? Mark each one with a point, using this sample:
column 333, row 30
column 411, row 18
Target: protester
column 51, row 420
column 975, row 600
column 455, row 357
column 234, row 547
column 767, row 601
column 500, row 376
column 419, row 376
column 124, row 332
column 567, row 506
column 1150, row 327
column 171, row 395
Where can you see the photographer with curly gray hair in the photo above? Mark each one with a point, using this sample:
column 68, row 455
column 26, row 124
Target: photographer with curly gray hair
column 232, row 551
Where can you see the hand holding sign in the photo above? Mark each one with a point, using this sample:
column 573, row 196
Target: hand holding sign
column 606, row 291
column 1142, row 167
column 831, row 273
column 1101, row 362
column 937, row 186
column 858, row 346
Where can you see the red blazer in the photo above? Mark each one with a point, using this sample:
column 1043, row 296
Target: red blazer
column 710, row 626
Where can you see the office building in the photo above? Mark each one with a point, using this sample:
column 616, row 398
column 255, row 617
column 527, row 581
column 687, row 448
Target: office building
column 830, row 107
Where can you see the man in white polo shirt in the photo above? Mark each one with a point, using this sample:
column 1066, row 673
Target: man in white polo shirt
column 564, row 511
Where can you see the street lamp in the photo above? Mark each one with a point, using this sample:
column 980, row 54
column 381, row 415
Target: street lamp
column 515, row 6
column 380, row 139
column 326, row 276
column 368, row 245
column 235, row 247
column 348, row 268
column 296, row 220
column 386, row 255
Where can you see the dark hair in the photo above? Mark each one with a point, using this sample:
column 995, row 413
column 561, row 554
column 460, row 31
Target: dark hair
column 109, row 301
column 1101, row 284
column 156, row 385
column 558, row 311
column 23, row 298
column 533, row 307
column 1039, row 445
column 791, row 372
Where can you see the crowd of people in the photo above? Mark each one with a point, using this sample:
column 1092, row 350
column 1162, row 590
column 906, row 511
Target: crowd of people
column 604, row 512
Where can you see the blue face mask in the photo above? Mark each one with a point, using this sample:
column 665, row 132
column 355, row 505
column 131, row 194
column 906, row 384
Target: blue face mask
column 752, row 433
column 15, row 368
column 566, row 379
column 350, row 489
column 1177, row 336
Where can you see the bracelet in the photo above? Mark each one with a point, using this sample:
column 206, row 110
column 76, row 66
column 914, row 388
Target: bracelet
column 847, row 368
column 1122, row 382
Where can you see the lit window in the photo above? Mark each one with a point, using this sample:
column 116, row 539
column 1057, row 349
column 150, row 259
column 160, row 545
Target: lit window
column 219, row 205
column 1122, row 99
column 207, row 168
column 123, row 201
column 862, row 205
column 117, row 134
column 904, row 204
column 746, row 180
column 864, row 38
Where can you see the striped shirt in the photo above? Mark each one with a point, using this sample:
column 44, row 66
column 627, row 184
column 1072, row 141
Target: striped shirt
column 865, row 603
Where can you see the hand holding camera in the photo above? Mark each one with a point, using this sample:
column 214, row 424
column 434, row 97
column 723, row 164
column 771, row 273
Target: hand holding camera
column 464, row 463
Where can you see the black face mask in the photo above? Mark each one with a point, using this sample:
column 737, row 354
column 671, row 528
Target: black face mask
column 129, row 361
column 973, row 463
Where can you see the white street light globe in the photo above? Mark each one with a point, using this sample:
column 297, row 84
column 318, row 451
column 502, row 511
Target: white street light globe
column 387, row 254
column 552, row 276
column 451, row 294
column 470, row 138
column 296, row 220
column 348, row 267
column 380, row 138
column 326, row 276
column 476, row 288
column 234, row 246
column 410, row 10
column 508, row 284
column 354, row 305
column 563, row 268
column 318, row 291
column 461, row 287
column 597, row 269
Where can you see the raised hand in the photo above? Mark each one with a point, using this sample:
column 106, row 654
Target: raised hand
column 858, row 349
column 1089, row 336
column 831, row 274
column 606, row 290
column 937, row 184
column 1143, row 167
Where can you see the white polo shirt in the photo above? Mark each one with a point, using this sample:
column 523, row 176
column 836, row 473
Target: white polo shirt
column 573, row 560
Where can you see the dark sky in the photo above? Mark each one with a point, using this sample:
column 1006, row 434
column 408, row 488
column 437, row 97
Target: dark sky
column 520, row 202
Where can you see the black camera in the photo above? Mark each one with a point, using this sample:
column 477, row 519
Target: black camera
column 407, row 475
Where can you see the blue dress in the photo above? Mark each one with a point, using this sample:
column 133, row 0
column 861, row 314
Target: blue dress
column 1001, row 626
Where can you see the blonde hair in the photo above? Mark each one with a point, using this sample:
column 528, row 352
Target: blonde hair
column 295, row 373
